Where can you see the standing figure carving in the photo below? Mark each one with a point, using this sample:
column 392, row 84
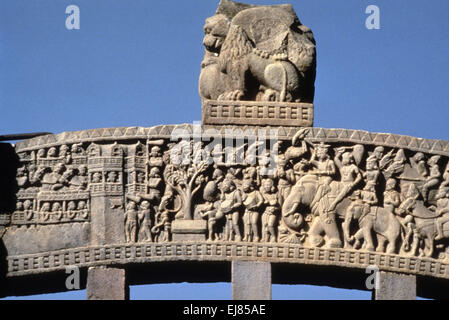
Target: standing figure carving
column 253, row 201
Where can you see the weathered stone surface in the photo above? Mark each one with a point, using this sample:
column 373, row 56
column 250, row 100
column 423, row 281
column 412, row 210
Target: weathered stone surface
column 224, row 131
column 189, row 230
column 246, row 186
column 257, row 53
column 257, row 113
column 394, row 286
column 251, row 280
column 342, row 193
column 106, row 283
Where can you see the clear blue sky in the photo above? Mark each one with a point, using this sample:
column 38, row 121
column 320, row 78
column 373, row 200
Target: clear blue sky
column 136, row 63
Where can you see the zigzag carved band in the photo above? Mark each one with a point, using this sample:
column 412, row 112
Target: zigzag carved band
column 164, row 131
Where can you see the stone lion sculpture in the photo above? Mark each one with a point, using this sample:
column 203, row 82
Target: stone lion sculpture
column 257, row 53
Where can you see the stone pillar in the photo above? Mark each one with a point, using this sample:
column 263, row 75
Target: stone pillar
column 251, row 280
column 395, row 286
column 107, row 205
column 105, row 283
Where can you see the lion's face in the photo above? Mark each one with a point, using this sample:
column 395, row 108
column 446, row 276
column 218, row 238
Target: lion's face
column 215, row 31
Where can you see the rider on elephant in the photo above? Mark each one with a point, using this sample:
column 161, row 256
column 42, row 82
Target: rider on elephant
column 286, row 178
column 325, row 170
column 369, row 196
column 392, row 198
column 372, row 172
column 434, row 177
column 350, row 176
column 442, row 211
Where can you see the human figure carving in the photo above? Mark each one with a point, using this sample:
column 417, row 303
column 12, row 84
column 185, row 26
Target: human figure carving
column 55, row 180
column 434, row 177
column 163, row 215
column 40, row 154
column 286, row 178
column 97, row 177
column 112, row 177
column 272, row 208
column 392, row 198
column 350, row 176
column 418, row 161
column 211, row 208
column 445, row 182
column 80, row 181
column 131, row 217
column 51, row 153
column 56, row 211
column 230, row 203
column 82, row 208
column 324, row 169
column 22, row 177
column 64, row 154
column 405, row 212
column 71, row 210
column 28, row 209
column 77, row 149
column 382, row 161
column 372, row 172
column 144, row 216
column 155, row 158
column 369, row 199
column 442, row 210
column 396, row 167
column 45, row 211
column 252, row 200
column 155, row 183
column 36, row 175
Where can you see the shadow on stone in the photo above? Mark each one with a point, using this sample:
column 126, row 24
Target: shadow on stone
column 45, row 283
column 9, row 162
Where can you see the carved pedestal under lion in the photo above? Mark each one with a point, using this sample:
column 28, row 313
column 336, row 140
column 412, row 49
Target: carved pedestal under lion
column 257, row 53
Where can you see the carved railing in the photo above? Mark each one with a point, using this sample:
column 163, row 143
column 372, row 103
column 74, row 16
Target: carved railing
column 223, row 251
column 258, row 113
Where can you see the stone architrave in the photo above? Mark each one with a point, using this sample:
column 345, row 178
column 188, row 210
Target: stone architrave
column 116, row 199
column 255, row 184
